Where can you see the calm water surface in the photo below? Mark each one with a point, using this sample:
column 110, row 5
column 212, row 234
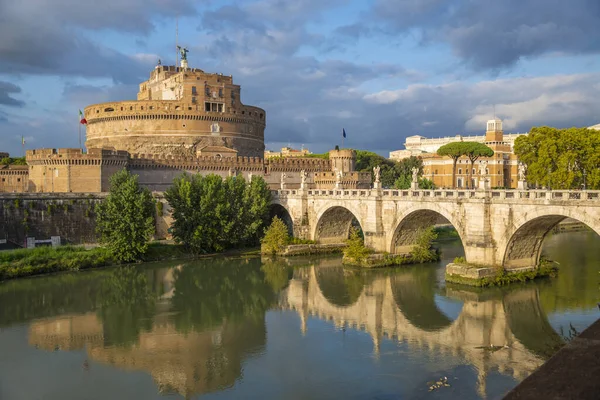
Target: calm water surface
column 293, row 329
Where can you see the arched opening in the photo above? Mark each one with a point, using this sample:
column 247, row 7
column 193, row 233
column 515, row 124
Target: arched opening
column 109, row 109
column 340, row 286
column 335, row 224
column 279, row 211
column 407, row 232
column 414, row 293
column 525, row 245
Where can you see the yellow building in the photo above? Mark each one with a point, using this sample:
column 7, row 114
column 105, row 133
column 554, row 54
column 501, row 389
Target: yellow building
column 287, row 152
column 501, row 170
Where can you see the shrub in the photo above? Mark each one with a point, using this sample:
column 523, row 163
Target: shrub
column 422, row 251
column 276, row 237
column 460, row 260
column 356, row 248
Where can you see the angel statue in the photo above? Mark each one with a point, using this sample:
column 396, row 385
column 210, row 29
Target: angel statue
column 522, row 169
column 283, row 176
column 483, row 168
column 303, row 176
column 415, row 175
column 376, row 171
column 183, row 51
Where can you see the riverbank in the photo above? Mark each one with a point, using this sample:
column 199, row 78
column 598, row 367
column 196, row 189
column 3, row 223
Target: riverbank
column 48, row 260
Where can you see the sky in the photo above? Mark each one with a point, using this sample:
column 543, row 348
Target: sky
column 380, row 69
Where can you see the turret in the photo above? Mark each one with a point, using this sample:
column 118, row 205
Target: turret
column 342, row 160
column 494, row 132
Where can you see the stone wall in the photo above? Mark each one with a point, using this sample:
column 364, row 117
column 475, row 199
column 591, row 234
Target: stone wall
column 68, row 215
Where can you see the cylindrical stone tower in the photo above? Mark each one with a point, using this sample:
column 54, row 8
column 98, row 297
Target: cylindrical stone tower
column 179, row 112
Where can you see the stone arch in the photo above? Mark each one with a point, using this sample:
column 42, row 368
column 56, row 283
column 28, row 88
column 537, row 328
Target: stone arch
column 406, row 230
column 414, row 294
column 333, row 225
column 279, row 211
column 522, row 245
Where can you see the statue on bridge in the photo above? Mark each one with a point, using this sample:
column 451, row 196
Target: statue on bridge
column 415, row 179
column 250, row 174
column 303, row 176
column 376, row 172
column 283, row 176
column 483, row 172
column 522, row 183
column 522, row 170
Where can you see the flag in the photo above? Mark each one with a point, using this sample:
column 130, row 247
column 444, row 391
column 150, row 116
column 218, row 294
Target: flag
column 23, row 140
column 82, row 119
column 343, row 132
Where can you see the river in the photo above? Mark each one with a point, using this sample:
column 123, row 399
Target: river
column 298, row 328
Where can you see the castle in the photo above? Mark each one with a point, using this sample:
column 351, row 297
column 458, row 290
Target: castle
column 184, row 120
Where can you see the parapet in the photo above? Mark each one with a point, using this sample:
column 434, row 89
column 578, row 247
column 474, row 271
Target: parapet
column 66, row 155
column 196, row 162
column 297, row 164
column 343, row 153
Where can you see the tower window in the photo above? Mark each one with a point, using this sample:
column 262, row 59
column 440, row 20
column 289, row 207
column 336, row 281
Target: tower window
column 194, row 90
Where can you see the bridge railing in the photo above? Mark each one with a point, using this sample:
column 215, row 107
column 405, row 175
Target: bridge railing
column 556, row 195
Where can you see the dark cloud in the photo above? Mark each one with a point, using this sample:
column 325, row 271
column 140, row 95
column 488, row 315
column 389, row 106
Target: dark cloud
column 6, row 90
column 491, row 34
column 51, row 37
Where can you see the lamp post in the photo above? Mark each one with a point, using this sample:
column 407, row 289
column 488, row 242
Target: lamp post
column 584, row 183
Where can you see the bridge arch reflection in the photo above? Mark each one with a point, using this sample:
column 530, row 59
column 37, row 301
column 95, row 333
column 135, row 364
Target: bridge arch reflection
column 486, row 333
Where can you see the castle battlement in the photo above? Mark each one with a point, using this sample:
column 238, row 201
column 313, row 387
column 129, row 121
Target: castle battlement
column 297, row 164
column 75, row 156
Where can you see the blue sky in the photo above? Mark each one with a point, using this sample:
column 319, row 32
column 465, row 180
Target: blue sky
column 381, row 69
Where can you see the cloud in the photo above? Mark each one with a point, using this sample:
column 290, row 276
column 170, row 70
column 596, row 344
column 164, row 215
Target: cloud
column 53, row 38
column 84, row 95
column 6, row 89
column 491, row 34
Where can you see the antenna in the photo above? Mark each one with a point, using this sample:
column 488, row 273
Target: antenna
column 176, row 41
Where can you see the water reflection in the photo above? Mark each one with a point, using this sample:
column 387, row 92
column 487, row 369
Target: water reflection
column 193, row 327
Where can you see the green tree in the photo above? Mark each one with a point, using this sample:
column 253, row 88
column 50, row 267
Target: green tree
column 5, row 161
column 127, row 306
column 474, row 150
column 561, row 158
column 125, row 219
column 276, row 237
column 211, row 214
column 453, row 150
column 393, row 174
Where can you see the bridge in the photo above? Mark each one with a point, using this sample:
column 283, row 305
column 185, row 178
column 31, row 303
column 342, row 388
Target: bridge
column 497, row 227
column 401, row 307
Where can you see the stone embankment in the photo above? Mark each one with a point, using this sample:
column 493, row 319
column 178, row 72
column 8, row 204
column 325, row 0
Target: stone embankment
column 309, row 249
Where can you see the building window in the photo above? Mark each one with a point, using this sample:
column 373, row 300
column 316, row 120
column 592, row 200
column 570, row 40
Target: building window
column 459, row 182
column 436, row 171
column 3, row 179
column 215, row 128
column 207, row 90
column 220, row 92
column 193, row 100
column 214, row 107
column 460, row 171
column 194, row 90
column 18, row 179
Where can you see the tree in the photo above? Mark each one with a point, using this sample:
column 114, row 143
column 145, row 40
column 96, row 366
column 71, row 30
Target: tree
column 211, row 214
column 453, row 150
column 125, row 219
column 474, row 150
column 561, row 158
column 356, row 248
column 276, row 237
column 422, row 251
column 393, row 174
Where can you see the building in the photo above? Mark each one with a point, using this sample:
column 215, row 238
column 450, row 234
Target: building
column 287, row 152
column 14, row 178
column 419, row 145
column 179, row 112
column 501, row 169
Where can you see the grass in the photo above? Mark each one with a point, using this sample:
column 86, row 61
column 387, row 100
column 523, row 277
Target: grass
column 46, row 260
